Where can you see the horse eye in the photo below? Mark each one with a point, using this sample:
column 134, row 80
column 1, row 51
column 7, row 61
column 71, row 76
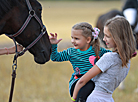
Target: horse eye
column 40, row 9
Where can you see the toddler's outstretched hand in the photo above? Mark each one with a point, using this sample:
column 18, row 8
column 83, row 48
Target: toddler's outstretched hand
column 53, row 38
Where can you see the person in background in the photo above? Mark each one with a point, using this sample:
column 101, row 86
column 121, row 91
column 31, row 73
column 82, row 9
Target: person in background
column 130, row 12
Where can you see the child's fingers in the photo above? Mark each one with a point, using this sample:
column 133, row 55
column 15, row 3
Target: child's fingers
column 52, row 34
column 59, row 40
column 20, row 47
column 55, row 35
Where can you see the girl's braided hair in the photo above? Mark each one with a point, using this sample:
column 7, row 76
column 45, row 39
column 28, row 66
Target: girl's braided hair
column 87, row 31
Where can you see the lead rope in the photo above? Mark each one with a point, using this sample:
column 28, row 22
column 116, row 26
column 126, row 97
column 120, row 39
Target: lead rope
column 43, row 31
column 14, row 67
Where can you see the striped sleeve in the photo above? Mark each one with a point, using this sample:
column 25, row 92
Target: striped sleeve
column 59, row 56
column 103, row 51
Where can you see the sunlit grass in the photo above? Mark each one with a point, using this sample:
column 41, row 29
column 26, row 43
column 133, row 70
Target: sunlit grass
column 49, row 82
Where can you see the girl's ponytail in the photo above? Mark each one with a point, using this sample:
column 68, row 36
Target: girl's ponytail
column 96, row 47
column 95, row 42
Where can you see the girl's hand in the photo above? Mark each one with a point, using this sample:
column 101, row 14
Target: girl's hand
column 19, row 47
column 53, row 38
column 12, row 49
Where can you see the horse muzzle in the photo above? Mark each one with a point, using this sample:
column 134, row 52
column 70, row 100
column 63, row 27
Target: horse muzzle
column 43, row 56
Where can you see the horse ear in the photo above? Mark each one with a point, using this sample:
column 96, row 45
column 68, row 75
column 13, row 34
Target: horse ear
column 1, row 26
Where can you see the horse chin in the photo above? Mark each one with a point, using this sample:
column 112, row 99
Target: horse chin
column 41, row 59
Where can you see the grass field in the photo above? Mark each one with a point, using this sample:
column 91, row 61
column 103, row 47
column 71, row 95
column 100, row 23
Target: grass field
column 49, row 82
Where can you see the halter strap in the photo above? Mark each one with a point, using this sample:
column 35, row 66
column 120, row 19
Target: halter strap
column 31, row 15
column 34, row 42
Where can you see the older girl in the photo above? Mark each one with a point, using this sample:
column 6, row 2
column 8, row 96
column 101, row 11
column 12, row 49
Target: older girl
column 112, row 68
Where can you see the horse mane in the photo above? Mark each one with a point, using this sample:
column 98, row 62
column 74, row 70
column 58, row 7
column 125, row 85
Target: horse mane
column 5, row 6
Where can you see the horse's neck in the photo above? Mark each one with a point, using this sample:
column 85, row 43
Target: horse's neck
column 1, row 27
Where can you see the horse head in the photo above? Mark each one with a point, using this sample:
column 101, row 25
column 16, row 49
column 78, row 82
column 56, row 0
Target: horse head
column 22, row 18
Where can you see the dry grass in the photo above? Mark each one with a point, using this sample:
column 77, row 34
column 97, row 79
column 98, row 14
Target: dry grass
column 49, row 82
column 61, row 16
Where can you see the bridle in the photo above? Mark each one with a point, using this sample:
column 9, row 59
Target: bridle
column 13, row 36
column 30, row 16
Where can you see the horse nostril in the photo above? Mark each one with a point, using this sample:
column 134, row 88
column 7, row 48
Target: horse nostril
column 44, row 53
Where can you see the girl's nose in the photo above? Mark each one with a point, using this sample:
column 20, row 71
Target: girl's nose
column 104, row 38
column 72, row 40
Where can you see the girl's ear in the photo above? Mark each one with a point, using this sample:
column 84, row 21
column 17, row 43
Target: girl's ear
column 89, row 39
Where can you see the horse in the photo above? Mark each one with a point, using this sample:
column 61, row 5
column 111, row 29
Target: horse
column 21, row 21
column 104, row 17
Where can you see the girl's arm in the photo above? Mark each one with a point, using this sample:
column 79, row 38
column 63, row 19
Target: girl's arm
column 55, row 55
column 95, row 70
column 10, row 50
column 4, row 51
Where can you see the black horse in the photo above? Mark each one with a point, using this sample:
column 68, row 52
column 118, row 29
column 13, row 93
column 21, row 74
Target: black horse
column 104, row 17
column 21, row 20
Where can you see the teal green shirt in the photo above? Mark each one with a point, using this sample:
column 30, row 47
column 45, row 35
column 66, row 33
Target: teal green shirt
column 81, row 61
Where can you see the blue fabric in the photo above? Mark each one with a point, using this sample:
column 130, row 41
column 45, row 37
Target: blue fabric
column 79, row 59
